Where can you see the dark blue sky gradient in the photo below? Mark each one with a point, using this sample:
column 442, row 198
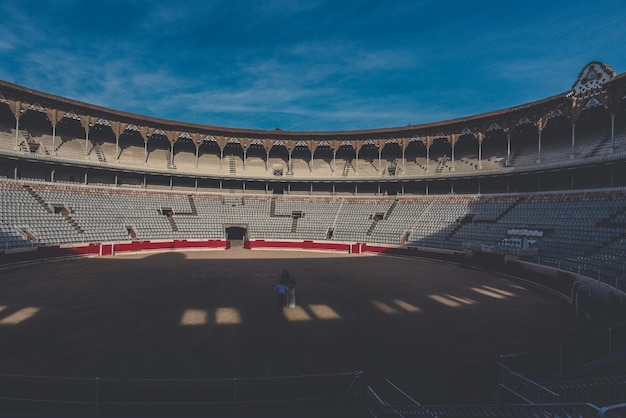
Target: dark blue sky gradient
column 307, row 65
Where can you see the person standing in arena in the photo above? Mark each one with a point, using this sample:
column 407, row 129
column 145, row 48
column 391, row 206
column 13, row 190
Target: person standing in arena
column 287, row 279
column 283, row 293
column 291, row 296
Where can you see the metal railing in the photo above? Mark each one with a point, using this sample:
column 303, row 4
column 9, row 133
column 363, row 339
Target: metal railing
column 524, row 388
column 380, row 408
column 264, row 397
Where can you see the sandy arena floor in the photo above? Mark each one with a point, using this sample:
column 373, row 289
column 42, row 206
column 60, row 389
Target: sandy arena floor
column 427, row 325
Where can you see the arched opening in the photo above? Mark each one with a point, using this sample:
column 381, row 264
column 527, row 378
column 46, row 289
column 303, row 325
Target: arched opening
column 236, row 234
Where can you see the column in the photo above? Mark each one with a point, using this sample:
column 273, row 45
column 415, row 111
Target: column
column 87, row 139
column 573, row 154
column 480, row 151
column 289, row 166
column 613, row 131
column 452, row 155
column 17, row 129
column 54, row 134
column 508, row 148
column 539, row 131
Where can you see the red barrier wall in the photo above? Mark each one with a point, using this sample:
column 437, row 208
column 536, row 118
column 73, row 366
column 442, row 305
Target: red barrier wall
column 88, row 249
column 302, row 245
column 135, row 246
column 367, row 248
column 165, row 245
column 106, row 249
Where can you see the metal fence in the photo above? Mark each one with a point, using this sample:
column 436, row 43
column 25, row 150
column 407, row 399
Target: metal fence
column 570, row 356
column 541, row 375
column 236, row 397
column 380, row 408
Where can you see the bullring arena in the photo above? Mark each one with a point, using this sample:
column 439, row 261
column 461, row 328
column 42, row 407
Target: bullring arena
column 472, row 267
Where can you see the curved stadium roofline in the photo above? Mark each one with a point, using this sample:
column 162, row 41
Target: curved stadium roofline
column 537, row 109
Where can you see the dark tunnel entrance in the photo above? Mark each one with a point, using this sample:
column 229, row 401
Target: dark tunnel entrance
column 236, row 234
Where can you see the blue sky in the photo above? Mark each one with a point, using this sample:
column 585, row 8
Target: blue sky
column 307, row 65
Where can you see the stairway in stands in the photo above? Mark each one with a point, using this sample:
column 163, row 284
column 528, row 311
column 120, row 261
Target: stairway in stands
column 68, row 218
column 469, row 218
column 273, row 211
column 466, row 219
column 99, row 153
column 612, row 221
column 441, row 164
column 192, row 205
column 346, row 168
column 231, row 164
column 272, row 207
column 507, row 210
column 518, row 150
column 38, row 198
column 373, row 165
column 33, row 146
column 391, row 208
column 370, row 230
column 599, row 145
column 172, row 223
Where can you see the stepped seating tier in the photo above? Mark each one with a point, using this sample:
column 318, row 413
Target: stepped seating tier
column 578, row 231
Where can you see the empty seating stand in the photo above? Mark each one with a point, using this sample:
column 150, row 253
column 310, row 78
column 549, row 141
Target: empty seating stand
column 581, row 231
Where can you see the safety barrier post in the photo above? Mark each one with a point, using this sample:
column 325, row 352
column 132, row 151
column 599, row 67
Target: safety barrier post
column 97, row 400
column 234, row 397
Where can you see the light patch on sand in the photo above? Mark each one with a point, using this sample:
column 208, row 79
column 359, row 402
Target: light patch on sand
column 324, row 312
column 227, row 316
column 445, row 301
column 296, row 314
column 19, row 316
column 194, row 317
column 464, row 301
column 488, row 293
column 500, row 291
column 385, row 308
column 407, row 306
